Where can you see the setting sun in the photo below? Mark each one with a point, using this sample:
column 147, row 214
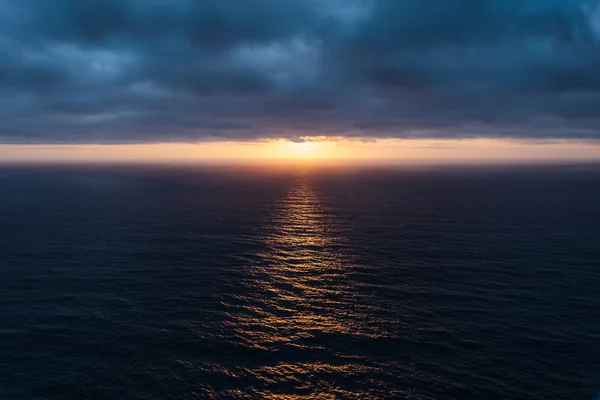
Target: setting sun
column 302, row 150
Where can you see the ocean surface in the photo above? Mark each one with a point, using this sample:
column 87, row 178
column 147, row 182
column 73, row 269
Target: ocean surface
column 124, row 282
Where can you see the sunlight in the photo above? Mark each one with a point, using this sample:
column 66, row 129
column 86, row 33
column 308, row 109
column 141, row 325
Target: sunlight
column 303, row 149
column 318, row 149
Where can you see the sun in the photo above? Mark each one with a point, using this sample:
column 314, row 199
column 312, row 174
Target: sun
column 303, row 149
column 308, row 148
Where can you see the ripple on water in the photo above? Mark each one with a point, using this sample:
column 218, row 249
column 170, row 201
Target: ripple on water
column 299, row 285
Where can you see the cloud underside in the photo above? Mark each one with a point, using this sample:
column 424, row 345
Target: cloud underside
column 112, row 71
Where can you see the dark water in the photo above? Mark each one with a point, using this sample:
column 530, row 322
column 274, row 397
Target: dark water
column 182, row 283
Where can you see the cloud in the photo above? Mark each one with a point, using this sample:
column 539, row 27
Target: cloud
column 112, row 71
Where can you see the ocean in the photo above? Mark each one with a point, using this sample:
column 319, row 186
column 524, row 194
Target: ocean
column 190, row 282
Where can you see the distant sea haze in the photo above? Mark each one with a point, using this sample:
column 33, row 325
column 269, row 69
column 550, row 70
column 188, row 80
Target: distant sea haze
column 299, row 283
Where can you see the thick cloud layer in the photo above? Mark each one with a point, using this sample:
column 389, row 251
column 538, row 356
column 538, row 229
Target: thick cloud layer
column 188, row 70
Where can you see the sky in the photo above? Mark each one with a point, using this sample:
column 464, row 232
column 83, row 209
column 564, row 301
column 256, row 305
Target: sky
column 299, row 79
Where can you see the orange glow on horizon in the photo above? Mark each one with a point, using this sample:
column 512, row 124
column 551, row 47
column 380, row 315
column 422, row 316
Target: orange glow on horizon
column 315, row 149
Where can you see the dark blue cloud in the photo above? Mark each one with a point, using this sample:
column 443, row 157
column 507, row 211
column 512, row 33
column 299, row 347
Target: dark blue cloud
column 189, row 70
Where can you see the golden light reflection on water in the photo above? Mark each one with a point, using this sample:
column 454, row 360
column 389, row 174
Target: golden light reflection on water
column 297, row 294
column 294, row 270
